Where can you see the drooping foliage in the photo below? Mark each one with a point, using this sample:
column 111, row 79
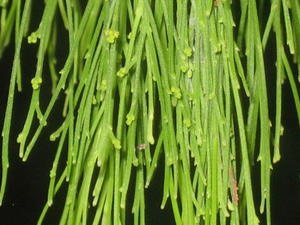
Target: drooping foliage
column 182, row 83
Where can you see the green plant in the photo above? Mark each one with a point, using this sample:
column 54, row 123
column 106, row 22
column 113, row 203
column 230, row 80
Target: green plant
column 182, row 80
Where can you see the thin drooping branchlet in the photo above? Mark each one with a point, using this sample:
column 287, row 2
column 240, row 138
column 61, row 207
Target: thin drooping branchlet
column 177, row 84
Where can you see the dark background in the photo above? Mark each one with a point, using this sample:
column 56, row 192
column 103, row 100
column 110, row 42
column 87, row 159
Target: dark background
column 28, row 182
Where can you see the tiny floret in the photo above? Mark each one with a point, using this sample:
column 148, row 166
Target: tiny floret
column 116, row 143
column 176, row 92
column 20, row 138
column 111, row 35
column 187, row 123
column 36, row 83
column 122, row 72
column 32, row 38
column 103, row 85
column 184, row 68
column 129, row 36
column 129, row 119
column 188, row 52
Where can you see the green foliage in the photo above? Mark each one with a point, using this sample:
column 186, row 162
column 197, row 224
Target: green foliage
column 184, row 81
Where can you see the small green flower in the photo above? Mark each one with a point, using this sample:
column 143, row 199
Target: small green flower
column 281, row 130
column 52, row 174
column 185, row 67
column 188, row 52
column 129, row 36
column 111, row 35
column 43, row 122
column 52, row 137
column 36, row 83
column 20, row 138
column 189, row 73
column 129, row 119
column 187, row 123
column 32, row 38
column 103, row 85
column 122, row 72
column 176, row 92
column 94, row 100
column 116, row 143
